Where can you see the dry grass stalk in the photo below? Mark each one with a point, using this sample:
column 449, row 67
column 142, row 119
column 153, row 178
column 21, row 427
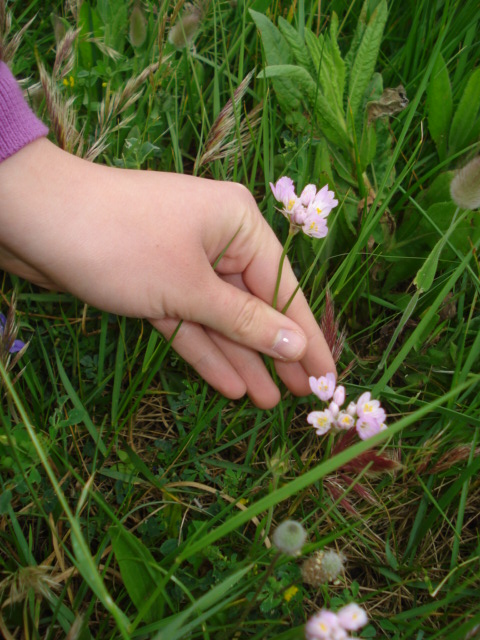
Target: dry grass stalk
column 176, row 10
column 65, row 56
column 8, row 48
column 330, row 327
column 218, row 145
column 73, row 6
column 62, row 115
column 116, row 103
column 162, row 26
column 76, row 630
column 110, row 52
column 113, row 105
column 38, row 579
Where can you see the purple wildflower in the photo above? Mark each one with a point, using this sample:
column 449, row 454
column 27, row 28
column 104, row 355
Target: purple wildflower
column 17, row 344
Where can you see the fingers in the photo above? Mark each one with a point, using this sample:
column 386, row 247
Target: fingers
column 261, row 389
column 261, row 281
column 246, row 319
column 257, row 241
column 226, row 366
column 196, row 347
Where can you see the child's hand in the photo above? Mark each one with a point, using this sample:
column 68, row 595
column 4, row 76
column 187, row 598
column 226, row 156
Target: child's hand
column 141, row 244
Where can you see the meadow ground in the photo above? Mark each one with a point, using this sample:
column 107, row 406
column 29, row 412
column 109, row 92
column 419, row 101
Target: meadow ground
column 138, row 503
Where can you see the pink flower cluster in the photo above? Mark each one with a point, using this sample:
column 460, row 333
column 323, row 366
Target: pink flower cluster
column 309, row 210
column 366, row 415
column 326, row 625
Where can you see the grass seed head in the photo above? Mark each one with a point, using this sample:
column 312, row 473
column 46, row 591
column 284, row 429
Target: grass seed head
column 138, row 26
column 465, row 186
column 183, row 32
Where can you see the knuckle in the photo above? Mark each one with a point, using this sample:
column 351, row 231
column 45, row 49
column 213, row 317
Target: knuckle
column 247, row 319
column 243, row 196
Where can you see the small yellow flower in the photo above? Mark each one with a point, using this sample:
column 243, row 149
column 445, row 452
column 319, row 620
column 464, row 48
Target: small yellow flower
column 290, row 592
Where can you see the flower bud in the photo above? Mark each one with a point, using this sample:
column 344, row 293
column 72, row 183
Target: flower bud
column 289, row 537
column 465, row 186
column 339, row 395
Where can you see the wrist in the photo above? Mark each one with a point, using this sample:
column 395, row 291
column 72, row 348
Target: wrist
column 18, row 124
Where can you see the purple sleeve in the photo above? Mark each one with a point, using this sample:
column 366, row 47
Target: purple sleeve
column 18, row 124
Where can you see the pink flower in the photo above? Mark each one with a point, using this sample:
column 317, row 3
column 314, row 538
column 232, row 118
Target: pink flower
column 344, row 421
column 324, row 626
column 314, row 226
column 308, row 195
column 370, row 410
column 284, row 191
column 321, row 421
column 334, row 409
column 307, row 211
column 368, row 428
column 323, row 203
column 323, row 387
column 352, row 617
column 352, row 409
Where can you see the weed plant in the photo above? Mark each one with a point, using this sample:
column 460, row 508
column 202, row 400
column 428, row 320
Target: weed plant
column 136, row 502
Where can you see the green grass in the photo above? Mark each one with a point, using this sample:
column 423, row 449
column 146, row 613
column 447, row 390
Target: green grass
column 135, row 501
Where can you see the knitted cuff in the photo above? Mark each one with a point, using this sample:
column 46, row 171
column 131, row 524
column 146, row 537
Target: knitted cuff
column 18, row 124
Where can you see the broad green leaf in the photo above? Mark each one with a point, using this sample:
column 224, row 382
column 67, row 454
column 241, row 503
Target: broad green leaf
column 338, row 62
column 277, row 52
column 330, row 126
column 139, row 571
column 325, row 71
column 426, row 274
column 366, row 57
column 439, row 106
column 296, row 44
column 368, row 144
column 383, row 153
column 90, row 26
column 357, row 38
column 114, row 14
column 464, row 121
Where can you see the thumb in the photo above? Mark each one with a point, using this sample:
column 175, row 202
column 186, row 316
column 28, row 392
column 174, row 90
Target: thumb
column 248, row 320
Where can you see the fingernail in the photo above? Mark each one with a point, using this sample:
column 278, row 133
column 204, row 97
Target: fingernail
column 289, row 344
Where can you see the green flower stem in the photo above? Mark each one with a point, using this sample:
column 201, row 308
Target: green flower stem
column 291, row 233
